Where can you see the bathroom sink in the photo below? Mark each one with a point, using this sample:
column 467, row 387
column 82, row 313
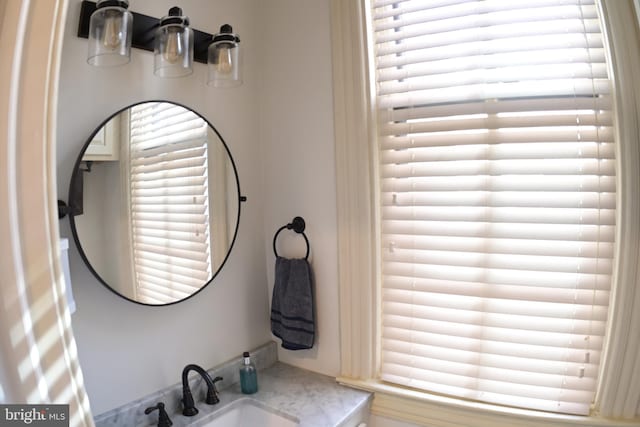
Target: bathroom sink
column 248, row 412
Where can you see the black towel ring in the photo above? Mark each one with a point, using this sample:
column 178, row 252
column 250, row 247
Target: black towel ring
column 298, row 225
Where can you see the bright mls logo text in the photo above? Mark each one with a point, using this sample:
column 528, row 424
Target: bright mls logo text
column 38, row 415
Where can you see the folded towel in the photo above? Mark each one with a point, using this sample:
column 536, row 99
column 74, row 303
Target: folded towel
column 292, row 312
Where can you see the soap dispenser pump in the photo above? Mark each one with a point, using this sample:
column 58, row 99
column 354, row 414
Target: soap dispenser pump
column 248, row 375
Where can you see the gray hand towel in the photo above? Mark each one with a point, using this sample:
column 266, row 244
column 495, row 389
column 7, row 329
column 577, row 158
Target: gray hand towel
column 292, row 312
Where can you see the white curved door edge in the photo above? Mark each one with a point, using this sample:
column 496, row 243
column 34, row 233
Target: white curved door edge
column 37, row 350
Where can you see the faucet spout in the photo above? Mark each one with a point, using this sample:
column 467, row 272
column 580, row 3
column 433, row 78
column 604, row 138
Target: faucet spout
column 189, row 407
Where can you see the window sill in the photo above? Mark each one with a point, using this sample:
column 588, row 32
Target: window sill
column 439, row 411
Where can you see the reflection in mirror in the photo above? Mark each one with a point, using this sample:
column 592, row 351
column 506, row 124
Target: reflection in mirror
column 155, row 203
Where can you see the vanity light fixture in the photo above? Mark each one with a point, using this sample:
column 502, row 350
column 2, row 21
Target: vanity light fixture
column 174, row 43
column 224, row 59
column 173, row 46
column 110, row 31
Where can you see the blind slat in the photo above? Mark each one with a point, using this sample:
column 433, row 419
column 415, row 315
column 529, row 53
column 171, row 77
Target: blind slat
column 527, row 223
column 187, row 189
column 545, row 122
column 438, row 10
column 169, row 209
column 486, row 380
column 560, row 105
column 195, row 243
column 500, row 246
column 528, row 355
column 502, row 276
column 484, row 14
column 533, row 199
column 192, row 282
column 163, row 200
column 174, row 269
column 605, row 184
column 169, row 218
column 484, row 137
column 474, row 92
column 194, row 167
column 500, row 368
column 195, row 182
column 559, row 27
column 161, row 226
column 495, row 291
column 559, row 167
column 167, row 151
column 461, row 331
column 178, row 262
column 196, row 255
column 481, row 319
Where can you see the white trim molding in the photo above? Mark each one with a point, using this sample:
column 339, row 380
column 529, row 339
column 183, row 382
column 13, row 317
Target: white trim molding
column 440, row 411
column 619, row 391
column 356, row 243
column 37, row 348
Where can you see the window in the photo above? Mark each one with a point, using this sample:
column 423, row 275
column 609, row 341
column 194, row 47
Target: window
column 497, row 193
column 372, row 241
column 169, row 202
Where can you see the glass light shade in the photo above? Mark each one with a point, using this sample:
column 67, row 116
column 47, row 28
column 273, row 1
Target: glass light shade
column 224, row 59
column 110, row 29
column 173, row 46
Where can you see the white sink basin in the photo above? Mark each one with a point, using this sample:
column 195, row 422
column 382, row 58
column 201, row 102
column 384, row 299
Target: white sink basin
column 248, row 413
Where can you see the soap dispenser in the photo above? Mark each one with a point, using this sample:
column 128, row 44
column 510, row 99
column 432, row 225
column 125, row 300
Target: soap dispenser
column 248, row 375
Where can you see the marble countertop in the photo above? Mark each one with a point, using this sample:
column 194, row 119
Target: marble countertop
column 316, row 400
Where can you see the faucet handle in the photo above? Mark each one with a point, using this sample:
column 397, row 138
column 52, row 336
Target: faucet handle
column 212, row 393
column 163, row 417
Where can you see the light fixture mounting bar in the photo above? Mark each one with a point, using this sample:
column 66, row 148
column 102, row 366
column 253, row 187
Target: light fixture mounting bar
column 143, row 32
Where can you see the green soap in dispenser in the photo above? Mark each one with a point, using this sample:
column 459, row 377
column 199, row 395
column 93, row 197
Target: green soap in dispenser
column 248, row 375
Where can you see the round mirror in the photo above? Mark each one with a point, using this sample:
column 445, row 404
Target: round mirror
column 154, row 203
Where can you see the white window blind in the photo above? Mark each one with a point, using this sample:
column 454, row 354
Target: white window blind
column 168, row 202
column 497, row 191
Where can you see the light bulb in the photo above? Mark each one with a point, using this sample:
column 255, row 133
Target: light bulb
column 173, row 46
column 174, row 49
column 112, row 31
column 225, row 60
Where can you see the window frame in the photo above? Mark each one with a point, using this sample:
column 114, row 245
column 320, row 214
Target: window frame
column 358, row 254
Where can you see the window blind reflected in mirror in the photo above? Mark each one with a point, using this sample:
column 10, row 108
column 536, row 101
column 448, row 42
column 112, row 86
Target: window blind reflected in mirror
column 169, row 199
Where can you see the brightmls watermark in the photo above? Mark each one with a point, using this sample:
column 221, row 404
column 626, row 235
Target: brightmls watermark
column 34, row 415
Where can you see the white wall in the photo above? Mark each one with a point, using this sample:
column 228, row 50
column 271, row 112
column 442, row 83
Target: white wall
column 296, row 127
column 296, row 124
column 128, row 350
column 279, row 127
column 99, row 227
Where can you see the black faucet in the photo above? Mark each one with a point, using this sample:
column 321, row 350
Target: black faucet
column 187, row 398
column 163, row 417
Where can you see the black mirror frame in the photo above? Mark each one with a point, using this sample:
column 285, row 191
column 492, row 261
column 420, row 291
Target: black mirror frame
column 75, row 189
